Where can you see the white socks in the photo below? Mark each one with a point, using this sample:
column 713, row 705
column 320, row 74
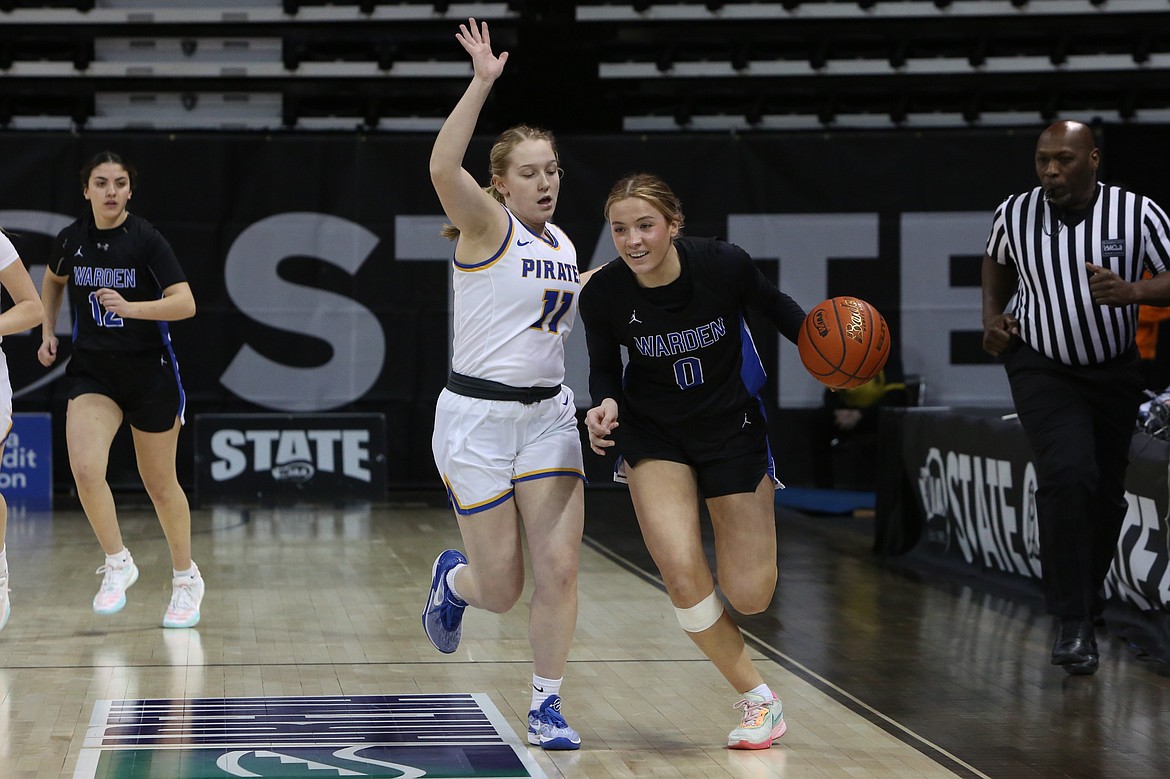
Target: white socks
column 190, row 573
column 451, row 581
column 542, row 688
column 762, row 690
column 119, row 559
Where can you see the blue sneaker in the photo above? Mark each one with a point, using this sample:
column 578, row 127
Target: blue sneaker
column 442, row 617
column 548, row 729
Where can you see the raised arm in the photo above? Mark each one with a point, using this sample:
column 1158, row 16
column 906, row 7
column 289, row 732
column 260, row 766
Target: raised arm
column 476, row 213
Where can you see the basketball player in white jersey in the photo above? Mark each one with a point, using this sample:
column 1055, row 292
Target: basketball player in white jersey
column 25, row 313
column 505, row 439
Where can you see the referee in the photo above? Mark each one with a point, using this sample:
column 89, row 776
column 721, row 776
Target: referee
column 1062, row 280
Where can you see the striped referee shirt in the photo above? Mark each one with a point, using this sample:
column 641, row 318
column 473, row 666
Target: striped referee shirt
column 1122, row 231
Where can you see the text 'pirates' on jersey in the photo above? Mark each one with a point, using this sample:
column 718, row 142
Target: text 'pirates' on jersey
column 514, row 310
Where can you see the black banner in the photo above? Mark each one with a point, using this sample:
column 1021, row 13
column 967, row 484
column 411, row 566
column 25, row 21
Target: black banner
column 309, row 456
column 323, row 286
column 975, row 484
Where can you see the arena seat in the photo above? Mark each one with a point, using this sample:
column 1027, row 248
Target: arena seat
column 640, row 66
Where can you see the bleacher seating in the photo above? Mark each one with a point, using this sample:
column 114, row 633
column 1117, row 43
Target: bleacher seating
column 637, row 65
column 247, row 64
column 816, row 64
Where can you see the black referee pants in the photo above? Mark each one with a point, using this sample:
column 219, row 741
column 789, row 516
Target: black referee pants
column 1079, row 423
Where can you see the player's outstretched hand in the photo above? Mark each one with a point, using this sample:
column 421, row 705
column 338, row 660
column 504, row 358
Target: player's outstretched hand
column 478, row 43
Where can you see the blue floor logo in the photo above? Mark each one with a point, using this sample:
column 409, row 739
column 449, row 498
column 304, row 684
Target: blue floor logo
column 456, row 736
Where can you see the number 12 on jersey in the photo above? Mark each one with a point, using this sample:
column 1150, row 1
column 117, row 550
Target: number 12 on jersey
column 100, row 315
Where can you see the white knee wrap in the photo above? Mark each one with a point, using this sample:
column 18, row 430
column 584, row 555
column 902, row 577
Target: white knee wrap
column 702, row 615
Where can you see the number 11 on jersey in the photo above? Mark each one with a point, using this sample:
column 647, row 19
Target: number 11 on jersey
column 556, row 305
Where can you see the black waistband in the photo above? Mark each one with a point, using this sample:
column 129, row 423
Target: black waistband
column 484, row 389
column 119, row 354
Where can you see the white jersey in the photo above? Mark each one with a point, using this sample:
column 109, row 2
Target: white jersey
column 514, row 309
column 8, row 256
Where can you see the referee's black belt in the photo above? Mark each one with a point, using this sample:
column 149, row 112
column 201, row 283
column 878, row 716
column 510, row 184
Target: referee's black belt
column 484, row 389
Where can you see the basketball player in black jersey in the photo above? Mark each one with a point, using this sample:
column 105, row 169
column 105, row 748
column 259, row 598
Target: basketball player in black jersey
column 691, row 422
column 125, row 285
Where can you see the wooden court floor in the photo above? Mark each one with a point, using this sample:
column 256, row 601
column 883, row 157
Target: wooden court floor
column 884, row 672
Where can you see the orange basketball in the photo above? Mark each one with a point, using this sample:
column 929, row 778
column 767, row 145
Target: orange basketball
column 844, row 342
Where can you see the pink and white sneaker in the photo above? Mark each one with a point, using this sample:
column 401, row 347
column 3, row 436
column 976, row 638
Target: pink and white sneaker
column 186, row 595
column 763, row 723
column 111, row 597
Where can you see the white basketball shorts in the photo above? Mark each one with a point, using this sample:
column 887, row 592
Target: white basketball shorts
column 483, row 447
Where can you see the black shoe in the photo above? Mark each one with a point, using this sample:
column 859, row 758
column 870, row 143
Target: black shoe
column 1087, row 668
column 1076, row 646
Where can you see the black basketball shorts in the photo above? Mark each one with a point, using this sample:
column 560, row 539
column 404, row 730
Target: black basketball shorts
column 145, row 385
column 729, row 451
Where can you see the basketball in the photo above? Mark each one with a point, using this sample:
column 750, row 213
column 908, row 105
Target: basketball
column 844, row 342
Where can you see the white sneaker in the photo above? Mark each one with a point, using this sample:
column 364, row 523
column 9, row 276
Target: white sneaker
column 112, row 596
column 186, row 595
column 5, row 603
column 763, row 723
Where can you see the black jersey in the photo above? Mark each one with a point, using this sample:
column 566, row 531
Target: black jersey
column 134, row 259
column 696, row 360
